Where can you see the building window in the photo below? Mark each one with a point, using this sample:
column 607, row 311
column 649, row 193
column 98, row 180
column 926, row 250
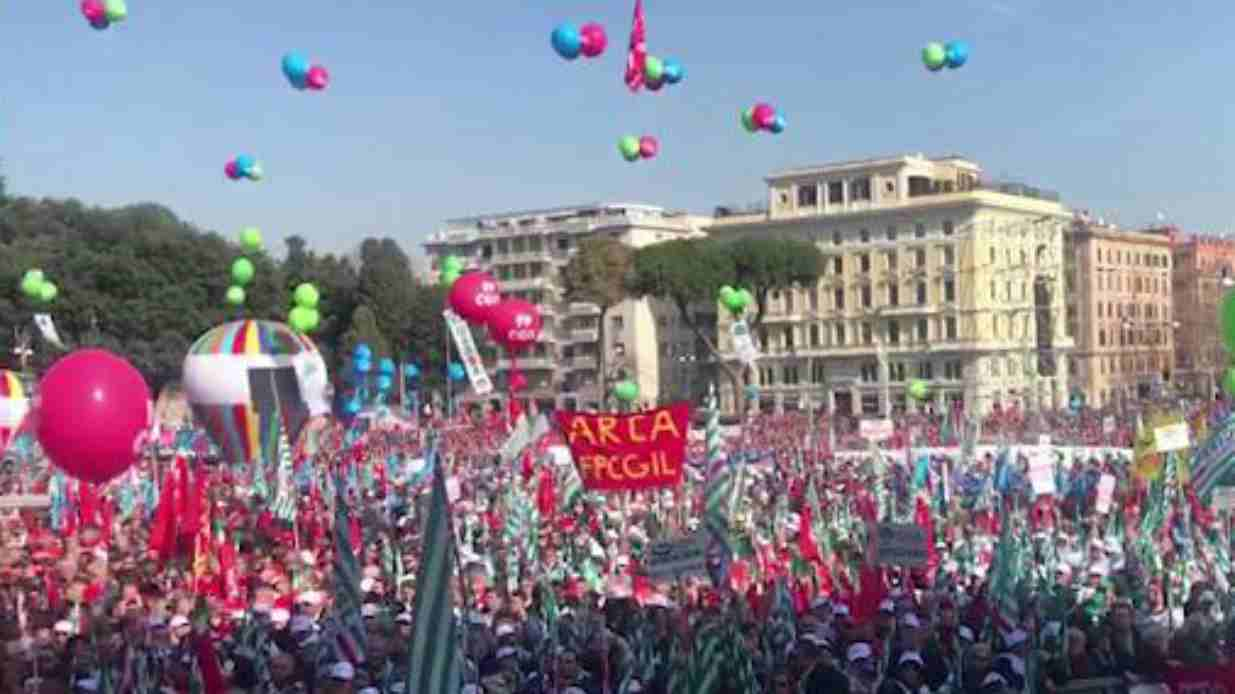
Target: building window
column 868, row 334
column 836, row 192
column 952, row 370
column 920, row 257
column 949, row 290
column 791, row 376
column 994, row 291
column 840, row 334
column 870, row 404
column 923, row 330
column 921, row 293
column 919, row 231
column 808, row 196
column 926, row 370
column 896, row 372
column 894, row 295
column 891, row 233
column 891, row 258
column 814, row 335
column 869, row 373
column 818, row 374
column 864, row 262
column 994, row 259
column 947, row 227
column 836, row 238
column 860, row 189
column 949, row 256
column 994, row 366
column 839, row 298
column 789, row 301
column 812, row 298
column 866, row 296
column 894, row 332
column 950, row 327
column 838, row 265
column 563, row 243
column 864, row 236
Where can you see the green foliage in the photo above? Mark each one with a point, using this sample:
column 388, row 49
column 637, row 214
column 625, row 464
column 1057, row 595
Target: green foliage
column 597, row 274
column 364, row 330
column 764, row 265
column 684, row 272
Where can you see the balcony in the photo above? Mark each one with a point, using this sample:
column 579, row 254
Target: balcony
column 529, row 364
column 586, row 335
column 583, row 309
column 524, row 284
column 586, row 361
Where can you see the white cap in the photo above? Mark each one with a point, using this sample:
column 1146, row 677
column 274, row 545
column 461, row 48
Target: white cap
column 280, row 615
column 342, row 670
column 964, row 632
column 367, row 584
column 911, row 621
column 404, row 618
column 839, row 610
column 1015, row 638
column 911, row 657
column 310, row 597
column 505, row 629
column 506, row 652
column 369, row 610
column 301, row 623
column 887, row 605
column 63, row 627
column 179, row 621
column 859, row 651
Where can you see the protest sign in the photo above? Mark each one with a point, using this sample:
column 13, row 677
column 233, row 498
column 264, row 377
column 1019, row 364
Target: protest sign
column 902, row 545
column 1172, row 437
column 621, row 451
column 875, row 429
column 11, row 501
column 670, row 559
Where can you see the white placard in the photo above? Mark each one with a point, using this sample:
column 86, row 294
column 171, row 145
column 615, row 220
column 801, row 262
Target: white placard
column 1041, row 471
column 9, row 501
column 1172, row 437
column 902, row 545
column 1106, row 488
column 743, row 345
column 453, row 492
column 1108, row 424
column 875, row 429
column 1044, row 439
column 472, row 364
column 675, row 558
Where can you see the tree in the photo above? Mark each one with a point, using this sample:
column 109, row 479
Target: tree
column 364, row 330
column 597, row 274
column 388, row 287
column 336, row 280
column 687, row 273
column 763, row 265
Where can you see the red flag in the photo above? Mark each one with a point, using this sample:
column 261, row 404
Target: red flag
column 163, row 533
column 638, row 53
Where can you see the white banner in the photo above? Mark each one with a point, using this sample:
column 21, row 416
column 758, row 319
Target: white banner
column 481, row 385
column 1172, row 437
column 875, row 429
column 902, row 545
column 674, row 558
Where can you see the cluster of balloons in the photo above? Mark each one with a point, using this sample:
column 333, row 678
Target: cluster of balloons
column 570, row 41
column 242, row 268
column 244, row 166
column 953, row 54
column 919, row 389
column 455, row 371
column 736, row 300
column 303, row 75
column 37, row 287
column 103, row 13
column 362, row 366
column 636, row 148
column 626, row 391
column 657, row 73
column 763, row 116
column 452, row 267
column 304, row 316
column 513, row 323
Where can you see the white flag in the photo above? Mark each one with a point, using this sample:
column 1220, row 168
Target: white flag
column 48, row 328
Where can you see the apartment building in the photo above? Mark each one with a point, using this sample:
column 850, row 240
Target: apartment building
column 931, row 273
column 1119, row 295
column 526, row 251
column 1203, row 272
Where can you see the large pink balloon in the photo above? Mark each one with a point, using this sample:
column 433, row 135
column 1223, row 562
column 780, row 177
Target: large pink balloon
column 93, row 10
column 763, row 115
column 474, row 295
column 515, row 324
column 94, row 414
column 317, row 78
column 594, row 39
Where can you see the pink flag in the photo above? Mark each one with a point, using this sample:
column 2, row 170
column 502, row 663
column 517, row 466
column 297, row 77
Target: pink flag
column 638, row 50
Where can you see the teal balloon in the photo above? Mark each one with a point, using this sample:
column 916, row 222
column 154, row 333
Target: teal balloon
column 386, row 366
column 748, row 120
column 242, row 271
column 455, row 371
column 673, row 71
column 384, row 382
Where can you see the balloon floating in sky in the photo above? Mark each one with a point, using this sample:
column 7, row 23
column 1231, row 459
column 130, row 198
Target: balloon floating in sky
column 657, row 72
column 635, row 148
column 244, row 166
column 304, row 316
column 952, row 55
column 251, row 239
column 570, row 41
column 763, row 116
column 301, row 74
column 103, row 13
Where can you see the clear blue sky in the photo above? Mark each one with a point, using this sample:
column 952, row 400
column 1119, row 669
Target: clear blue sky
column 446, row 109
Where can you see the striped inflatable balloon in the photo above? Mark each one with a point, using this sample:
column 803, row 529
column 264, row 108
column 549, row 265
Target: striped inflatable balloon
column 14, row 406
column 244, row 380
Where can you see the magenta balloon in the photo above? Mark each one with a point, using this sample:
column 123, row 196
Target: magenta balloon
column 93, row 10
column 317, row 78
column 231, row 170
column 594, row 39
column 515, row 324
column 763, row 115
column 474, row 295
column 94, row 414
column 654, row 85
column 648, row 147
column 518, row 381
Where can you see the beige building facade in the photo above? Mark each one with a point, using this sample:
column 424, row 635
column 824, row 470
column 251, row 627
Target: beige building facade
column 526, row 251
column 1119, row 293
column 1203, row 272
column 930, row 274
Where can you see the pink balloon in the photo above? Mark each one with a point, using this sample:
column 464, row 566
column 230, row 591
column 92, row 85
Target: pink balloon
column 474, row 295
column 648, row 146
column 518, row 381
column 594, row 39
column 92, row 10
column 94, row 412
column 515, row 324
column 763, row 115
column 231, row 170
column 317, row 78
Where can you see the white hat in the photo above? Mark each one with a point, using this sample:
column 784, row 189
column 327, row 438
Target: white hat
column 280, row 615
column 367, row 584
column 63, row 627
column 887, row 606
column 858, row 651
column 301, row 623
column 342, row 670
column 840, row 610
column 404, row 618
column 90, row 684
column 965, row 632
column 1015, row 638
column 505, row 629
column 507, row 652
column 911, row 657
column 179, row 621
column 310, row 597
column 369, row 610
column 911, row 621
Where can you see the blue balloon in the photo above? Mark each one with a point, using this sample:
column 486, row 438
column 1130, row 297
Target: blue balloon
column 296, row 69
column 673, row 71
column 352, row 407
column 362, row 351
column 778, row 124
column 567, row 41
column 386, row 366
column 245, row 164
column 456, row 371
column 385, row 382
column 411, row 371
column 362, row 366
column 956, row 54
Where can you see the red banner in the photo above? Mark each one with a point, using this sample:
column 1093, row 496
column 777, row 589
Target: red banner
column 1213, row 680
column 640, row 450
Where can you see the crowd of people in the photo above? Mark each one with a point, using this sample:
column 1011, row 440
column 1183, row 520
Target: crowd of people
column 185, row 575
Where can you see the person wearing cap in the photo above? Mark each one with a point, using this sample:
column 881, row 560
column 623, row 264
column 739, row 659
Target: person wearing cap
column 1011, row 663
column 906, row 676
column 862, row 670
column 818, row 666
column 338, row 679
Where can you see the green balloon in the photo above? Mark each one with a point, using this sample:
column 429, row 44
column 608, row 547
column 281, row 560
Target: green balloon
column 30, row 286
column 919, row 389
column 746, row 298
column 48, row 292
column 235, row 296
column 725, row 292
column 653, row 69
column 748, row 120
column 626, row 391
column 306, row 295
column 733, row 302
column 301, row 319
column 251, row 239
column 934, row 55
column 34, row 274
column 115, row 10
column 629, row 147
column 448, row 279
column 452, row 263
column 242, row 271
column 315, row 319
